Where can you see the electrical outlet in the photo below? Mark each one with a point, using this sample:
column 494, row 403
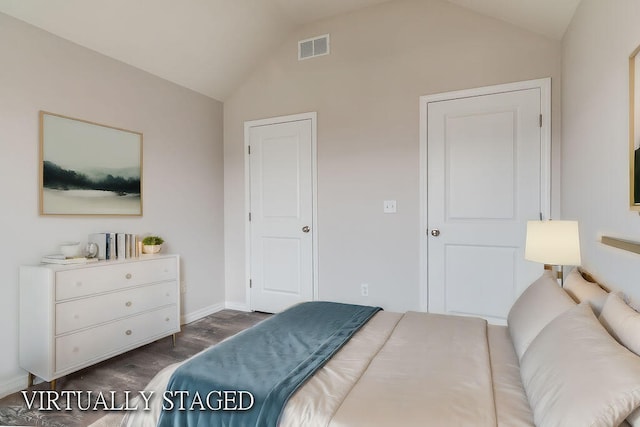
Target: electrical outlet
column 183, row 287
column 364, row 289
column 389, row 206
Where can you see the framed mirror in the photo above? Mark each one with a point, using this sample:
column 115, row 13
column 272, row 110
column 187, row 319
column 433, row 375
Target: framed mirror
column 634, row 130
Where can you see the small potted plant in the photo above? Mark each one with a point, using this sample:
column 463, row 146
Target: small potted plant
column 152, row 244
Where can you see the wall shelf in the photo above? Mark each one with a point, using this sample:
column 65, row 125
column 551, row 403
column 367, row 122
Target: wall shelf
column 627, row 245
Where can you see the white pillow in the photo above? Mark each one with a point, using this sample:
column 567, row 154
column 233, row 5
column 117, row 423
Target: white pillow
column 622, row 322
column 576, row 374
column 581, row 289
column 538, row 305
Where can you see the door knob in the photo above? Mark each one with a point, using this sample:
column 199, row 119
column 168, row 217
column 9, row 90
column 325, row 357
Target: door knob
column 305, row 229
column 435, row 232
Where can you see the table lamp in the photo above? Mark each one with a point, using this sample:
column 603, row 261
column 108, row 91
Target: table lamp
column 553, row 243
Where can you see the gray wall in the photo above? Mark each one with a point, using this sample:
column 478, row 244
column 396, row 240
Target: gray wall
column 183, row 166
column 595, row 137
column 366, row 93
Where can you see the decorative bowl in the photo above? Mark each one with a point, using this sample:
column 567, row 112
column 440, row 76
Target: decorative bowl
column 151, row 249
column 70, row 249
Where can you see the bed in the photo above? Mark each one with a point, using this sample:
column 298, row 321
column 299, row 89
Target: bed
column 569, row 357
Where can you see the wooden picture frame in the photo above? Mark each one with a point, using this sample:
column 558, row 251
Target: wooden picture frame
column 634, row 130
column 87, row 168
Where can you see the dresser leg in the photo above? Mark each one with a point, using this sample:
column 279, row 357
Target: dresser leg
column 52, row 384
column 30, row 380
column 173, row 338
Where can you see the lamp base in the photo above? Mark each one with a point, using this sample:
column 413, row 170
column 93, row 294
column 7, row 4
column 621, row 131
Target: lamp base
column 559, row 273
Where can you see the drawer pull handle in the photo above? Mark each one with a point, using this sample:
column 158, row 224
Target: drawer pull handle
column 128, row 332
column 167, row 319
column 128, row 303
column 76, row 349
column 78, row 283
column 128, row 276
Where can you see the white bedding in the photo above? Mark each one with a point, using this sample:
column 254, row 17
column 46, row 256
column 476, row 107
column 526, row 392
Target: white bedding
column 420, row 369
column 512, row 406
column 413, row 369
column 433, row 371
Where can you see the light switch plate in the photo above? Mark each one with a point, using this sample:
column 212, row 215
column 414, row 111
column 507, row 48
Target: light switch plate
column 389, row 206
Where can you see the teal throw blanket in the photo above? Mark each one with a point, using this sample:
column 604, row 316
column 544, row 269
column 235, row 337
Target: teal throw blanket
column 270, row 361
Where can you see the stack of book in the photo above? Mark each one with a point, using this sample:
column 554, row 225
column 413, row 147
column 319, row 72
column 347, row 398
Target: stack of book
column 115, row 245
column 61, row 259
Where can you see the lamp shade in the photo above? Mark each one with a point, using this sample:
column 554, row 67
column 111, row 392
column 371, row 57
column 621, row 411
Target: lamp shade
column 553, row 242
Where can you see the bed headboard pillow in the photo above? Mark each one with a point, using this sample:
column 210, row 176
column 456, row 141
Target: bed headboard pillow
column 581, row 289
column 538, row 305
column 576, row 374
column 634, row 418
column 622, row 322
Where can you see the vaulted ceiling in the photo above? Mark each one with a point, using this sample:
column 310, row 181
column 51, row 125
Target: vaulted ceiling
column 210, row 46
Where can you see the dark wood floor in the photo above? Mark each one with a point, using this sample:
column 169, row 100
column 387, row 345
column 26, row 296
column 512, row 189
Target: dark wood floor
column 129, row 371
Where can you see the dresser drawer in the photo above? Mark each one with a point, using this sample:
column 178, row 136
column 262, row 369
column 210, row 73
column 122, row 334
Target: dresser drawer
column 82, row 313
column 109, row 339
column 86, row 281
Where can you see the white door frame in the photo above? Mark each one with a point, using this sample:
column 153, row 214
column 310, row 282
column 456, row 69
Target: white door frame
column 313, row 116
column 545, row 158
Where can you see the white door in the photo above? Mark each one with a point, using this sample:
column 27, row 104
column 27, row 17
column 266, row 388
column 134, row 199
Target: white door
column 281, row 214
column 483, row 182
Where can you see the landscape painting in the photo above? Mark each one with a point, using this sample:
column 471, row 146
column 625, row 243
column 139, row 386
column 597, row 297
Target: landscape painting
column 88, row 168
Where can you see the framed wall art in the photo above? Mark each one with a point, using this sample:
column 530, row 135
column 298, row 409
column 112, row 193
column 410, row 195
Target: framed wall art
column 88, row 169
column 634, row 129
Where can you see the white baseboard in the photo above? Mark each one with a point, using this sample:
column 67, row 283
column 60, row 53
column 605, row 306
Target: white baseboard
column 199, row 314
column 13, row 385
column 240, row 306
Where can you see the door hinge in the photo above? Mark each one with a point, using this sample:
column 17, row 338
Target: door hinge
column 250, row 284
column 249, row 216
column 540, row 121
column 249, row 149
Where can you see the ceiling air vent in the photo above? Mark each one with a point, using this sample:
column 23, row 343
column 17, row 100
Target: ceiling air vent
column 316, row 46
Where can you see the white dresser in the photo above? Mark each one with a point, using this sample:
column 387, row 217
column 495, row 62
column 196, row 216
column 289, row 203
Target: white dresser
column 73, row 316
